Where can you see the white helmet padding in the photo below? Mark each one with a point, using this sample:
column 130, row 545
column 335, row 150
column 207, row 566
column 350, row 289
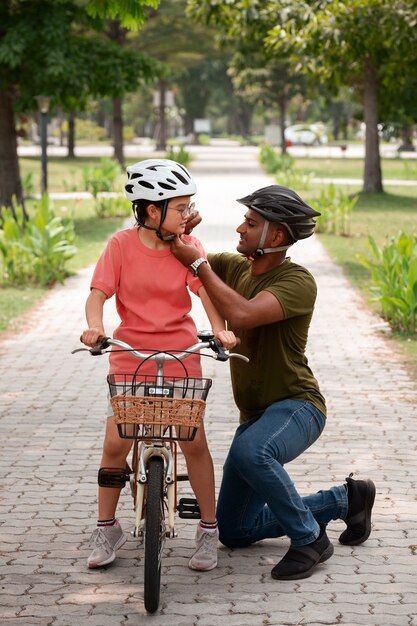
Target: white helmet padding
column 157, row 180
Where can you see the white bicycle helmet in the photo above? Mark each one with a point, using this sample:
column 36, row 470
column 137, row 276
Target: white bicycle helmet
column 158, row 180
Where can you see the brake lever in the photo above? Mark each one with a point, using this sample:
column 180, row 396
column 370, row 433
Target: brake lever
column 219, row 350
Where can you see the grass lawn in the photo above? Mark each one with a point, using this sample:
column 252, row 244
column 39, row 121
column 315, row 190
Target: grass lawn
column 400, row 169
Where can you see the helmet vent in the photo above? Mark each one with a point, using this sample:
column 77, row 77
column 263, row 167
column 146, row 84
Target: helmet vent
column 166, row 186
column 135, row 175
column 129, row 188
column 181, row 178
column 144, row 183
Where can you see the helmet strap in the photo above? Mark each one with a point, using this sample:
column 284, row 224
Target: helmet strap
column 260, row 250
column 160, row 236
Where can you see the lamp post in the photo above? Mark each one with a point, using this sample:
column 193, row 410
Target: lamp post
column 43, row 106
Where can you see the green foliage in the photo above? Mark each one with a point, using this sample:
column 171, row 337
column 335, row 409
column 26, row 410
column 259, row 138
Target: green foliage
column 112, row 206
column 28, row 185
column 394, row 280
column 272, row 161
column 35, row 251
column 101, row 177
column 99, row 181
column 89, row 131
column 335, row 207
column 179, row 154
column 283, row 166
column 130, row 12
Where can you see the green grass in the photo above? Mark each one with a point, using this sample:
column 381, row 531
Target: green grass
column 400, row 169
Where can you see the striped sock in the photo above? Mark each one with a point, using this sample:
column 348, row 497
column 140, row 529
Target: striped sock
column 106, row 522
column 208, row 527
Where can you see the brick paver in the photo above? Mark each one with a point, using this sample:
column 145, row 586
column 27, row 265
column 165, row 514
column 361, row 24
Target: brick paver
column 51, row 425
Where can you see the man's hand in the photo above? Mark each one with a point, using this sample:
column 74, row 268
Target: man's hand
column 184, row 251
column 192, row 221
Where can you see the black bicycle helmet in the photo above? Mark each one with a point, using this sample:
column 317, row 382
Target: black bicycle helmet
column 280, row 204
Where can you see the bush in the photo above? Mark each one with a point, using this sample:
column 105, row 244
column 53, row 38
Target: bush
column 112, row 206
column 179, row 154
column 335, row 207
column 101, row 179
column 35, row 251
column 394, row 280
column 282, row 165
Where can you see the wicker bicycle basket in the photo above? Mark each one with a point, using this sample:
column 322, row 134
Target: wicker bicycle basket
column 172, row 409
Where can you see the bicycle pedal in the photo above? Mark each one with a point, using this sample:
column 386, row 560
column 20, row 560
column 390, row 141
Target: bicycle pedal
column 188, row 508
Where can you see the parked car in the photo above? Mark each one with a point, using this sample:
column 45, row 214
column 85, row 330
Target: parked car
column 305, row 135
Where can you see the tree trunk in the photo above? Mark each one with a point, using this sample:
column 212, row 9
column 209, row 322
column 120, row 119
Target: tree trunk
column 282, row 103
column 117, row 34
column 161, row 143
column 406, row 139
column 71, row 135
column 372, row 172
column 118, row 131
column 10, row 182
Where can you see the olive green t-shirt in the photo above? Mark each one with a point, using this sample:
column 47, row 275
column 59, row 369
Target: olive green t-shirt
column 278, row 368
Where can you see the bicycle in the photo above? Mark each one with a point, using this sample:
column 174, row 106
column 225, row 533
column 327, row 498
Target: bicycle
column 156, row 411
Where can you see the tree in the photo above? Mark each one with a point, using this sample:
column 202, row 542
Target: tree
column 64, row 57
column 194, row 62
column 364, row 43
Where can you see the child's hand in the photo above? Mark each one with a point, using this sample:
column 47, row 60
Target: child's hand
column 228, row 339
column 92, row 336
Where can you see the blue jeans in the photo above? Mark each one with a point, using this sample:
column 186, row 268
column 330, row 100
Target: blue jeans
column 257, row 497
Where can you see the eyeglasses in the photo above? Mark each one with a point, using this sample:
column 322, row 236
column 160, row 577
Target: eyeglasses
column 184, row 210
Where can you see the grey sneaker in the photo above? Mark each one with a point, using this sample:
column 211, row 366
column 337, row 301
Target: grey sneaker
column 105, row 540
column 205, row 557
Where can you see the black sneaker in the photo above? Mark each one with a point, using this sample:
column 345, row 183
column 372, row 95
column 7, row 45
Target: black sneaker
column 300, row 561
column 361, row 497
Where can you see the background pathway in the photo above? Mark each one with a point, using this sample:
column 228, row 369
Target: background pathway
column 51, row 406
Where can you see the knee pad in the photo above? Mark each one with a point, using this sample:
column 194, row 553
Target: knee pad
column 113, row 476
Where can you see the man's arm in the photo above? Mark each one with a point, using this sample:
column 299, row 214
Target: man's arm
column 263, row 309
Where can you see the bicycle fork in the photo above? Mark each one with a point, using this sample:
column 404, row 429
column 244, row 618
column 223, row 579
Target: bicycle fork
column 144, row 453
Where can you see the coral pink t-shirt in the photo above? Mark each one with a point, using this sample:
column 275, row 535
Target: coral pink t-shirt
column 152, row 300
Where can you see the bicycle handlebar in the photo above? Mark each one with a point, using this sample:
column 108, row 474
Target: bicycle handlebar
column 161, row 356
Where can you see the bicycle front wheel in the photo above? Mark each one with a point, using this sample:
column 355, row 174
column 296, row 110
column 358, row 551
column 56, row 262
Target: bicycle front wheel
column 154, row 532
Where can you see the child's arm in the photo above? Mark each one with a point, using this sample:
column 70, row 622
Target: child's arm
column 94, row 314
column 226, row 337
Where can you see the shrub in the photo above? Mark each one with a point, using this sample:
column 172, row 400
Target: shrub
column 335, row 207
column 394, row 280
column 179, row 154
column 35, row 251
column 101, row 179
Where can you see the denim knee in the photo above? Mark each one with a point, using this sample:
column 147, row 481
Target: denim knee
column 232, row 537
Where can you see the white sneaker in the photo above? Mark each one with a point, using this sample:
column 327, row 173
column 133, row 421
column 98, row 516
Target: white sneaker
column 105, row 540
column 205, row 557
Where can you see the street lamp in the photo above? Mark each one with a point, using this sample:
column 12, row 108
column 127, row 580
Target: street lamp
column 43, row 106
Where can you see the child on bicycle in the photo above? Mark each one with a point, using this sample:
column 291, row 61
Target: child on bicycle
column 152, row 299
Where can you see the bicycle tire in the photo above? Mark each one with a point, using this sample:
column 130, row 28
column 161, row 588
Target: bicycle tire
column 154, row 533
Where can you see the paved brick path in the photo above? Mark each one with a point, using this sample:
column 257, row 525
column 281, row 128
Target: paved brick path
column 51, row 429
